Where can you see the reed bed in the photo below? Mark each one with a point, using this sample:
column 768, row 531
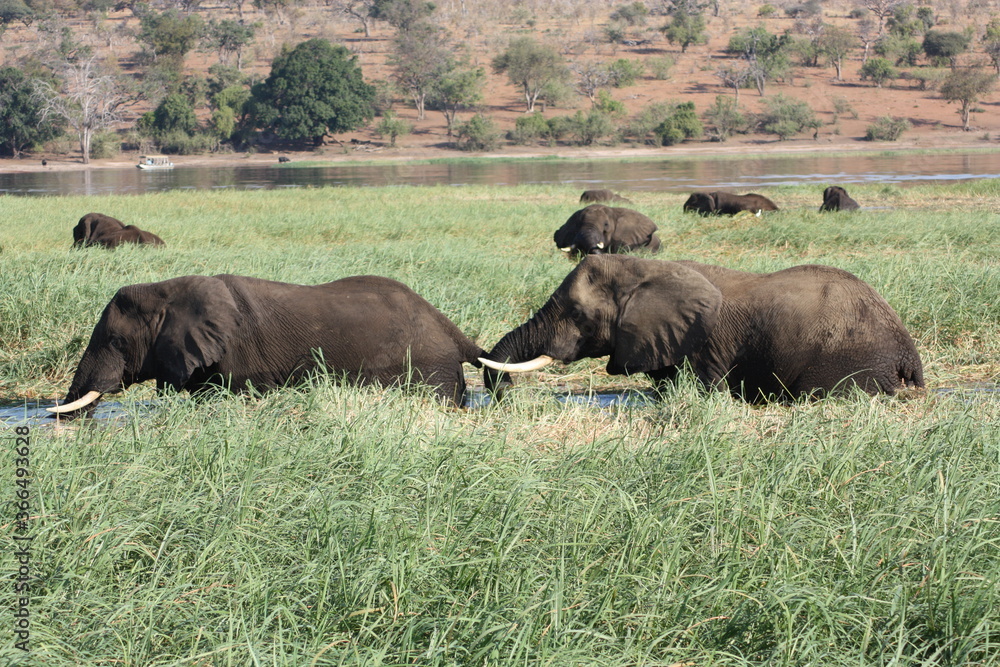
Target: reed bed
column 330, row 525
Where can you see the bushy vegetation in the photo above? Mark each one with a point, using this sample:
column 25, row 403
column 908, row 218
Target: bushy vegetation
column 886, row 128
column 328, row 524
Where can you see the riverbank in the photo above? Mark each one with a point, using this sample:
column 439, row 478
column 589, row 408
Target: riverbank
column 365, row 152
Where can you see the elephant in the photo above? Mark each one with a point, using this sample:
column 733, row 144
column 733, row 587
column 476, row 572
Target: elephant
column 727, row 203
column 598, row 196
column 835, row 198
column 807, row 330
column 103, row 230
column 598, row 228
column 243, row 333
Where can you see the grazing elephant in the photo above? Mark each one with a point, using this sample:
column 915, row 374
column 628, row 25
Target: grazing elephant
column 599, row 228
column 103, row 230
column 598, row 196
column 726, row 203
column 835, row 198
column 193, row 332
column 806, row 330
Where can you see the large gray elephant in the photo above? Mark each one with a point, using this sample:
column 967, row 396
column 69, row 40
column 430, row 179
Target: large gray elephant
column 835, row 198
column 727, row 203
column 806, row 330
column 103, row 230
column 598, row 229
column 602, row 195
column 194, row 332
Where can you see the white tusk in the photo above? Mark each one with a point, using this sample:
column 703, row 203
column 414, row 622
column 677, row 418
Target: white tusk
column 760, row 212
column 87, row 399
column 600, row 245
column 567, row 249
column 523, row 367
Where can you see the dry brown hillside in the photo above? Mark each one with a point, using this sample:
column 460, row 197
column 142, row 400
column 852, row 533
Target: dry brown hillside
column 576, row 28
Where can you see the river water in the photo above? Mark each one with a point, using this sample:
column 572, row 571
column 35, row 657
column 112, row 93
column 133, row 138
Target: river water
column 646, row 174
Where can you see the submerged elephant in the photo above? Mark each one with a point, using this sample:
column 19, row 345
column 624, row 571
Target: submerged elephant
column 598, row 228
column 806, row 330
column 835, row 198
column 727, row 203
column 598, row 196
column 103, row 230
column 193, row 332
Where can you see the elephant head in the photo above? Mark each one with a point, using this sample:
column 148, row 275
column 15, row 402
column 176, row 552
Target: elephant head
column 102, row 230
column 598, row 196
column 835, row 198
column 597, row 229
column 727, row 203
column 165, row 331
column 803, row 330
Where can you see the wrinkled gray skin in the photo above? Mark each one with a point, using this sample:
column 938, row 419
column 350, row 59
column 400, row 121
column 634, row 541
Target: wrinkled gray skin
column 801, row 331
column 616, row 228
column 103, row 230
column 727, row 203
column 835, row 198
column 197, row 331
column 598, row 196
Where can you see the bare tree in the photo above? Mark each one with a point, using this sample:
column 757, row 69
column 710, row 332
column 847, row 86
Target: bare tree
column 590, row 77
column 734, row 77
column 359, row 10
column 868, row 36
column 89, row 100
column 881, row 9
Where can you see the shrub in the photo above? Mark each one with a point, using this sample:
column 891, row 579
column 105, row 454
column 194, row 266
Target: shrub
column 624, row 72
column 609, row 105
column 479, row 133
column 886, row 128
column 766, row 11
column 786, row 117
column 529, row 128
column 174, row 114
column 179, row 142
column 660, row 66
column 590, row 127
column 392, row 126
column 682, row 124
column 878, row 70
column 105, row 145
column 726, row 118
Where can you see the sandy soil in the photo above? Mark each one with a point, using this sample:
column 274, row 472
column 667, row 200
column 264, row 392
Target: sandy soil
column 936, row 124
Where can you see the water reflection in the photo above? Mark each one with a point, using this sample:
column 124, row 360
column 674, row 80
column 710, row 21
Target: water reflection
column 676, row 174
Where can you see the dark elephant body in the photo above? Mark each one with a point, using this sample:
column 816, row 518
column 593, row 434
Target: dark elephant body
column 806, row 330
column 193, row 332
column 598, row 228
column 727, row 203
column 835, row 198
column 103, row 230
column 598, row 196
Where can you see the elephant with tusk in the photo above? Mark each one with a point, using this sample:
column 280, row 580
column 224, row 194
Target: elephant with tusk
column 805, row 330
column 194, row 332
column 727, row 203
column 598, row 229
column 97, row 229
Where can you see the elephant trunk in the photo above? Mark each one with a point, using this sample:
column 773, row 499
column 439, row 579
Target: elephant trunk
column 528, row 341
column 99, row 372
column 589, row 240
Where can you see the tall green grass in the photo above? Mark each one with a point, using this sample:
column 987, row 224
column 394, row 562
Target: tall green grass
column 330, row 525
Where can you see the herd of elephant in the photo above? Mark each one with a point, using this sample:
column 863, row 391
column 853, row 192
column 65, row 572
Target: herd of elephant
column 803, row 331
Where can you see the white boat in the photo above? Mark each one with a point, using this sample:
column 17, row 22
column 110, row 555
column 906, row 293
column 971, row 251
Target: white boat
column 155, row 162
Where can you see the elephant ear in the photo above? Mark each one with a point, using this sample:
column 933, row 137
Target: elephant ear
column 566, row 234
column 632, row 228
column 199, row 320
column 669, row 315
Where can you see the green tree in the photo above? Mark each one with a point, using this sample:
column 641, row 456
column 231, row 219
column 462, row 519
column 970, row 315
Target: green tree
column 967, row 86
column 457, row 89
column 766, row 53
column 313, row 89
column 420, row 57
column 479, row 133
column 174, row 114
column 834, row 45
column 879, row 70
column 531, row 66
column 21, row 124
column 230, row 38
column 991, row 42
column 786, row 117
column 945, row 47
column 899, row 49
column 633, row 14
column 402, row 14
column 14, row 11
column 591, row 126
column 229, row 111
column 686, row 27
column 171, row 35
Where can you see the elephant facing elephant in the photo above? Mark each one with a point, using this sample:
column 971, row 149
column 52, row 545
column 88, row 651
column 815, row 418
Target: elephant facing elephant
column 598, row 229
column 727, row 203
column 806, row 330
column 97, row 229
column 835, row 198
column 195, row 332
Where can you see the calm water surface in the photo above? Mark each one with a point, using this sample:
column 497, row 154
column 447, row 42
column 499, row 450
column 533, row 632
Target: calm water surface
column 675, row 174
